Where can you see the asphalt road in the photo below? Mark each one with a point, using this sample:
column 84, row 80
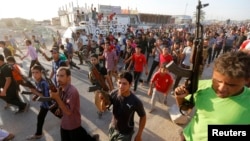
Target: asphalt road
column 159, row 126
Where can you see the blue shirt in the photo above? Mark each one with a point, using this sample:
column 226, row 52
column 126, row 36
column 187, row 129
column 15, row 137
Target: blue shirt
column 69, row 48
column 43, row 87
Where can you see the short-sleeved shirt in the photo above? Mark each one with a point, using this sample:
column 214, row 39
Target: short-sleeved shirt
column 70, row 97
column 101, row 70
column 123, row 111
column 245, row 45
column 110, row 57
column 69, row 48
column 165, row 58
column 187, row 52
column 43, row 87
column 16, row 72
column 211, row 109
column 5, row 72
column 139, row 62
column 162, row 82
column 6, row 52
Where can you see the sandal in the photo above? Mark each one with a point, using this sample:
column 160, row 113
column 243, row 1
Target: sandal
column 34, row 137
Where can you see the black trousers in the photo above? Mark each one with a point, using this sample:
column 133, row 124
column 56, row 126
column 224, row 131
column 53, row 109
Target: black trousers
column 216, row 52
column 153, row 66
column 209, row 52
column 13, row 98
column 137, row 76
column 40, row 120
column 78, row 134
column 80, row 57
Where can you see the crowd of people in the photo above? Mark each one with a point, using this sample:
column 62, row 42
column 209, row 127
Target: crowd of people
column 123, row 59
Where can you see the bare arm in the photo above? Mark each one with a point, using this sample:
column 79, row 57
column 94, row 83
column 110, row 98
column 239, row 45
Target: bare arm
column 130, row 64
column 107, row 77
column 180, row 94
column 126, row 61
column 142, row 124
column 6, row 86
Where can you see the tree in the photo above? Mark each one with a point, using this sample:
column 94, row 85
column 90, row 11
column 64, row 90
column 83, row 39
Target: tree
column 202, row 16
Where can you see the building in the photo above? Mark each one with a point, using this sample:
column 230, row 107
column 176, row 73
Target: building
column 154, row 18
column 182, row 19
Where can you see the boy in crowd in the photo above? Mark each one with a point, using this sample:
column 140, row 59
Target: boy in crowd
column 160, row 86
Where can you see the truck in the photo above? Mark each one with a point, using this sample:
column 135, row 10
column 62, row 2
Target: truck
column 90, row 28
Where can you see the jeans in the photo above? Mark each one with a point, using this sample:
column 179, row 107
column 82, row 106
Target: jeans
column 115, row 135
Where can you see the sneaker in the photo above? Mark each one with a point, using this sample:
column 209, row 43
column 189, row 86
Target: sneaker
column 34, row 137
column 96, row 137
column 9, row 137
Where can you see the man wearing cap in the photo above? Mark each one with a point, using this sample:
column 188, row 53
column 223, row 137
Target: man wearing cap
column 62, row 56
column 56, row 63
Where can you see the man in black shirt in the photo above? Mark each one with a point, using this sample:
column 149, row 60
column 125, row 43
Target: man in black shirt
column 9, row 88
column 125, row 104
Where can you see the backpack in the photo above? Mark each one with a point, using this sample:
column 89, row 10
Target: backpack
column 16, row 73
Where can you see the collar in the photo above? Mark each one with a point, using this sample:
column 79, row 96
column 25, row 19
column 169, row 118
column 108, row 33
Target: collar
column 66, row 88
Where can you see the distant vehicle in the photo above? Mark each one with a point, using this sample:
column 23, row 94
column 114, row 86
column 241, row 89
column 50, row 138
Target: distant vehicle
column 70, row 31
column 91, row 29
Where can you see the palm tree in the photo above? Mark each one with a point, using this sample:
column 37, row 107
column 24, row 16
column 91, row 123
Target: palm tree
column 202, row 15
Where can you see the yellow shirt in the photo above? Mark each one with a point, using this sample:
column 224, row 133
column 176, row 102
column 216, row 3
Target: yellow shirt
column 12, row 49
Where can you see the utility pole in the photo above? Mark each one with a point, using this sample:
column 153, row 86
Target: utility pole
column 185, row 8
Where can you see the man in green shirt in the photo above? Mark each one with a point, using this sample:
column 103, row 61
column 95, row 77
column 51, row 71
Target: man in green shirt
column 224, row 100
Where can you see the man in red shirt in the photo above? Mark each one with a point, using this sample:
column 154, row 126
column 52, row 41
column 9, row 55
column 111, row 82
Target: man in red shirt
column 111, row 16
column 165, row 56
column 245, row 46
column 160, row 86
column 139, row 61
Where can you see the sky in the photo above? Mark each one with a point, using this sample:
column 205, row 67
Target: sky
column 46, row 9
